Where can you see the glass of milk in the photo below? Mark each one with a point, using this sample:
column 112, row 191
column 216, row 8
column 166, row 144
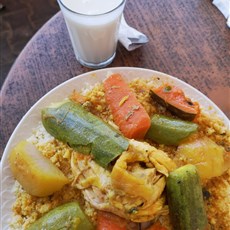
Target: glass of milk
column 93, row 27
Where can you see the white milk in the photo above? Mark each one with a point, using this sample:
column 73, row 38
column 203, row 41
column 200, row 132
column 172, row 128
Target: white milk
column 93, row 27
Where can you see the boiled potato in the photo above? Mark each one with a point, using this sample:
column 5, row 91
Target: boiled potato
column 205, row 154
column 37, row 174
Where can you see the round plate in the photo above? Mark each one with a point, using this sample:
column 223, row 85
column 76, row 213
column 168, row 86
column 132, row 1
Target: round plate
column 32, row 117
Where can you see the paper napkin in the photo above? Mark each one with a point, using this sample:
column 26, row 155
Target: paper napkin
column 129, row 37
column 224, row 7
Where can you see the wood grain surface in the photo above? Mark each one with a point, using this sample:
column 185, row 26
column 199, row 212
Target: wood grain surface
column 187, row 39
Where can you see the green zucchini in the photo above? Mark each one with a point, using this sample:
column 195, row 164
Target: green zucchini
column 185, row 199
column 169, row 131
column 83, row 131
column 67, row 216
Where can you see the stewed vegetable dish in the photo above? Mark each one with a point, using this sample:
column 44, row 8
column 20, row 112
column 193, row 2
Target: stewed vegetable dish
column 123, row 155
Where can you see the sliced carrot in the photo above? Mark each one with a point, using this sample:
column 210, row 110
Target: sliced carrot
column 109, row 221
column 156, row 226
column 77, row 97
column 128, row 113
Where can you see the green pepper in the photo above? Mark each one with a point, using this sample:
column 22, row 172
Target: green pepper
column 169, row 131
column 67, row 216
column 71, row 123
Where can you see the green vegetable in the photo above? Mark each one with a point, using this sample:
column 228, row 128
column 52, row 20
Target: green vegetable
column 169, row 131
column 185, row 199
column 83, row 131
column 67, row 216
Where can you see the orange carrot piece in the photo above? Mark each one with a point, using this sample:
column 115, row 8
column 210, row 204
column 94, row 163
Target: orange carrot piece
column 109, row 221
column 128, row 113
column 77, row 97
column 156, row 226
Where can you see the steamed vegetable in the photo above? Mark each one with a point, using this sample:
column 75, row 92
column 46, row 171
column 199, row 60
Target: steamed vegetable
column 169, row 131
column 67, row 216
column 129, row 115
column 109, row 221
column 206, row 155
column 156, row 226
column 83, row 131
column 141, row 173
column 185, row 199
column 37, row 174
column 175, row 100
column 77, row 97
column 135, row 187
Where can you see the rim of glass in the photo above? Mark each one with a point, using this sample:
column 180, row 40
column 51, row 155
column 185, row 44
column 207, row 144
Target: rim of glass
column 107, row 12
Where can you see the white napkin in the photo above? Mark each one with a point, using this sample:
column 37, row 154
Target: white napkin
column 224, row 7
column 129, row 37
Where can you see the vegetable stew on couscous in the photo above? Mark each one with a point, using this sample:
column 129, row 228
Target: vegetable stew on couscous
column 116, row 155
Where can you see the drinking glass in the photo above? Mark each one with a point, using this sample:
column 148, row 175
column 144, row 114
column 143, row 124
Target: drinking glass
column 93, row 27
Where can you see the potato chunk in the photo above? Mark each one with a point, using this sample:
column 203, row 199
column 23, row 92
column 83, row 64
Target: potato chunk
column 206, row 155
column 37, row 174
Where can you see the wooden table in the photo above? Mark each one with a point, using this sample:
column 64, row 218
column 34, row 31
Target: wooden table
column 187, row 39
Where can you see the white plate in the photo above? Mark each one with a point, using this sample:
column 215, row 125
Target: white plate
column 32, row 117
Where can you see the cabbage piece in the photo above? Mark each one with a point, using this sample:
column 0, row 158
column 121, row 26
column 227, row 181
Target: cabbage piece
column 133, row 189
